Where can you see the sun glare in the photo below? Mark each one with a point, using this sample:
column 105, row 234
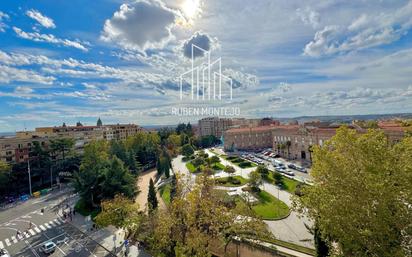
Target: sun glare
column 191, row 8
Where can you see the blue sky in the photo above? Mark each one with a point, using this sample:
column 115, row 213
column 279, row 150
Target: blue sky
column 69, row 61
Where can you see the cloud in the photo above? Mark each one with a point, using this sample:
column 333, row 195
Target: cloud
column 140, row 25
column 49, row 38
column 199, row 39
column 363, row 32
column 308, row 16
column 23, row 90
column 9, row 74
column 3, row 16
column 41, row 19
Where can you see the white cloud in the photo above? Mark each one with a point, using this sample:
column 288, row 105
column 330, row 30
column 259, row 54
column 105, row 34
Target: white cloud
column 308, row 16
column 3, row 16
column 23, row 90
column 49, row 38
column 9, row 74
column 140, row 25
column 41, row 19
column 365, row 31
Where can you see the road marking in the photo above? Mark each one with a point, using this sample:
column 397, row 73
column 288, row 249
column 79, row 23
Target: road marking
column 27, row 235
column 47, row 225
column 14, row 239
column 1, row 245
column 37, row 229
column 42, row 228
column 57, row 221
column 32, row 232
column 7, row 242
column 52, row 223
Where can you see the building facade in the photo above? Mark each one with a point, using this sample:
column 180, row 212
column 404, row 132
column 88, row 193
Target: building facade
column 248, row 139
column 213, row 126
column 16, row 149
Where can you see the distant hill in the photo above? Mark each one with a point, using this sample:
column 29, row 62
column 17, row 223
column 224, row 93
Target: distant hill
column 349, row 118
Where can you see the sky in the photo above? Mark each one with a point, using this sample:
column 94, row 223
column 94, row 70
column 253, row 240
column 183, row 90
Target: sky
column 69, row 61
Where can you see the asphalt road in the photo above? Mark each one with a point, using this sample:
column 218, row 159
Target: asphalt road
column 24, row 228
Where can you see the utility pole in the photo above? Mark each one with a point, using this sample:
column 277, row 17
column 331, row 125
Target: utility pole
column 28, row 171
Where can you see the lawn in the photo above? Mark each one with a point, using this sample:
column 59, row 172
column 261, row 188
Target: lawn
column 165, row 193
column 290, row 184
column 191, row 167
column 269, row 207
column 227, row 182
column 239, row 161
column 218, row 166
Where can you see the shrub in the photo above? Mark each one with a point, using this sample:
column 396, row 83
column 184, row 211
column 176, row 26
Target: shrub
column 245, row 164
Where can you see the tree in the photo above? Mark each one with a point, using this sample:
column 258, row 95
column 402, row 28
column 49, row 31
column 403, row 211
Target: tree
column 88, row 179
column 288, row 145
column 4, row 177
column 196, row 218
column 361, row 193
column 152, row 197
column 187, row 150
column 321, row 245
column 255, row 180
column 120, row 212
column 279, row 179
column 230, row 170
column 117, row 179
column 214, row 159
column 62, row 145
column 262, row 170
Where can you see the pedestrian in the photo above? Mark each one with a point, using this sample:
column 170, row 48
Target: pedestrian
column 30, row 225
column 74, row 212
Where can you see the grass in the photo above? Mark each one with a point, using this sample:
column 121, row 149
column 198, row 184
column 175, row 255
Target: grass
column 289, row 184
column 269, row 207
column 218, row 166
column 191, row 167
column 239, row 161
column 292, row 246
column 227, row 182
column 85, row 210
column 165, row 193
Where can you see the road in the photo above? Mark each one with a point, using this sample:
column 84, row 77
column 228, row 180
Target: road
column 25, row 227
column 291, row 229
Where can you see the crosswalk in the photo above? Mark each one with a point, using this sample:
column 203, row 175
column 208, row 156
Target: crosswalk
column 31, row 232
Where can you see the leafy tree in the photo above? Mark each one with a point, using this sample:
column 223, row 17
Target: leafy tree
column 120, row 212
column 91, row 174
column 173, row 188
column 255, row 180
column 262, row 170
column 361, row 193
column 145, row 146
column 279, row 179
column 151, row 197
column 322, row 247
column 118, row 149
column 117, row 180
column 230, row 170
column 195, row 219
column 214, row 159
column 4, row 177
column 62, row 145
column 187, row 150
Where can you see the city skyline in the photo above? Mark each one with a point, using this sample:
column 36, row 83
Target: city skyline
column 333, row 58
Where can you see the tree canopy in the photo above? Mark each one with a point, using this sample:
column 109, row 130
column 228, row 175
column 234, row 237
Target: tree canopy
column 362, row 194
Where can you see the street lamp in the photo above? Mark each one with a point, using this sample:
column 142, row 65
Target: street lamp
column 28, row 171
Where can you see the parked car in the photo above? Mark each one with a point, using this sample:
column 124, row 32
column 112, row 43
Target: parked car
column 301, row 169
column 292, row 166
column 4, row 253
column 289, row 172
column 48, row 247
column 280, row 169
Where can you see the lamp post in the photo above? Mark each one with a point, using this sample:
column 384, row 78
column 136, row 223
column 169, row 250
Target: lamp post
column 28, row 171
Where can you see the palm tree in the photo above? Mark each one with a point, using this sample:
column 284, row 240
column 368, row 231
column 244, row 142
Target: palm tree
column 310, row 150
column 288, row 144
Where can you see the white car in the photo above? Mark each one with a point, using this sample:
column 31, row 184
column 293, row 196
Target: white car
column 48, row 247
column 289, row 172
column 4, row 253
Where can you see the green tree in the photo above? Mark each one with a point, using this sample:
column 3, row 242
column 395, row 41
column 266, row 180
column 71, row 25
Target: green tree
column 88, row 179
column 214, row 159
column 255, row 180
column 152, row 197
column 361, row 193
column 62, row 145
column 120, row 212
column 263, row 171
column 117, row 179
column 187, row 150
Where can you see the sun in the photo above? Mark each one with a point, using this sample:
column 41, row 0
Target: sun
column 191, row 8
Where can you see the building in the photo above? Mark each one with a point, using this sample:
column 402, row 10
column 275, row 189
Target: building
column 251, row 139
column 213, row 126
column 294, row 141
column 16, row 149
